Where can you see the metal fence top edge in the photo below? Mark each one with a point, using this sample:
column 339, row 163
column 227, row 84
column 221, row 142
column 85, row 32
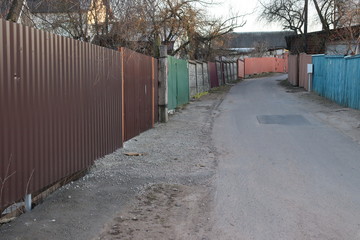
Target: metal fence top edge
column 55, row 35
column 201, row 62
column 352, row 57
column 180, row 59
column 334, row 56
column 226, row 61
column 318, row 55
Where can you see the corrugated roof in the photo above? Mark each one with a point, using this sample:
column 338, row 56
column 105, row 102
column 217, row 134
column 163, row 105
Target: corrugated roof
column 272, row 40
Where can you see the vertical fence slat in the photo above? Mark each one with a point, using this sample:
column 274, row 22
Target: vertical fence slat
column 52, row 89
column 338, row 78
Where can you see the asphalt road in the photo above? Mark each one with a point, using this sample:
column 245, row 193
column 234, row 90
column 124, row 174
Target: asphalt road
column 283, row 173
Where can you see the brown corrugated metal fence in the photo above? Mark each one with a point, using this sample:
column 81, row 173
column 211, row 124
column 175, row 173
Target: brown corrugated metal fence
column 140, row 86
column 293, row 69
column 214, row 80
column 156, row 90
column 304, row 60
column 60, row 108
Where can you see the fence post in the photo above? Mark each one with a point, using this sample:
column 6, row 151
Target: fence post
column 163, row 85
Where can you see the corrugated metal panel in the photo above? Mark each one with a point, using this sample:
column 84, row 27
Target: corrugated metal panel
column 304, row 60
column 241, row 68
column 214, row 81
column 286, row 62
column 235, row 67
column 178, row 82
column 192, row 79
column 200, row 77
column 206, row 76
column 227, row 72
column 221, row 72
column 259, row 65
column 264, row 64
column 280, row 65
column 60, row 108
column 293, row 69
column 138, row 93
column 156, row 90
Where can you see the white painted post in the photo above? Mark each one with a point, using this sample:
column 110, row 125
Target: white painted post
column 309, row 71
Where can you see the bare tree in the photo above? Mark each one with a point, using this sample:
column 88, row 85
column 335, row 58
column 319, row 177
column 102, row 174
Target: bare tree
column 348, row 31
column 260, row 49
column 141, row 25
column 331, row 14
column 289, row 13
column 11, row 9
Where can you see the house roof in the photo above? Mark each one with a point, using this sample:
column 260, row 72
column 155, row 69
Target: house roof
column 58, row 6
column 316, row 41
column 273, row 40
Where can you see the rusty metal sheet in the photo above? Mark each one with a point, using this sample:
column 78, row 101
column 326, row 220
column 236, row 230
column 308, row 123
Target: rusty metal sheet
column 60, row 108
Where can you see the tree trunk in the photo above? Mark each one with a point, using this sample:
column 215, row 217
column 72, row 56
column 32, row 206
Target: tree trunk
column 15, row 10
column 322, row 19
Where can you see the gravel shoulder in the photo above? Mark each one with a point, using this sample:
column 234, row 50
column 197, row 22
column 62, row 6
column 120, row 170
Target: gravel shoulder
column 161, row 194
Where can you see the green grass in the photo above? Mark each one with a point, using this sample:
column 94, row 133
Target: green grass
column 199, row 95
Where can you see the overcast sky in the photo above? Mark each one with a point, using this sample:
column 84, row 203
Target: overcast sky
column 251, row 7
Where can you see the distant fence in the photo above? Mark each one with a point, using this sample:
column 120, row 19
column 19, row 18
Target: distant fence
column 293, row 75
column 214, row 80
column 338, row 78
column 265, row 65
column 178, row 82
column 139, row 93
column 198, row 77
column 298, row 75
column 241, row 68
column 65, row 103
column 304, row 60
column 227, row 71
column 230, row 71
column 60, row 108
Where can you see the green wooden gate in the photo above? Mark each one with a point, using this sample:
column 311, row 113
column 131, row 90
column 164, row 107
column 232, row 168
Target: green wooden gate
column 178, row 82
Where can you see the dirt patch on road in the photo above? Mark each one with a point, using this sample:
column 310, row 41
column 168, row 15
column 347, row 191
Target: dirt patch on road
column 289, row 87
column 163, row 211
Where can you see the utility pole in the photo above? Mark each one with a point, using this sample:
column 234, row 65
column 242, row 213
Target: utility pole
column 306, row 9
column 163, row 85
